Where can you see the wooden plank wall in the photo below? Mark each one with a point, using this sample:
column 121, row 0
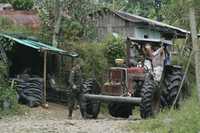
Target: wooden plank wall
column 110, row 23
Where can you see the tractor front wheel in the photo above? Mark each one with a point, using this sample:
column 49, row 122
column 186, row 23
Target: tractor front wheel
column 89, row 108
column 150, row 104
column 123, row 110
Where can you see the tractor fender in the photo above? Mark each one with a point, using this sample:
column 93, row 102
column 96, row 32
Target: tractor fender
column 169, row 68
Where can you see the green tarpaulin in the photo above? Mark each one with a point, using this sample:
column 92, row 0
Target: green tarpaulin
column 34, row 44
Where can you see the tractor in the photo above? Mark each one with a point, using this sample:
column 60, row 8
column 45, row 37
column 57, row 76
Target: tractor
column 134, row 82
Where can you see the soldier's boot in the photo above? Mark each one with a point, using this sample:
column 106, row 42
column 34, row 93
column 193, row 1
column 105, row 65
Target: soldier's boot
column 70, row 114
column 70, row 108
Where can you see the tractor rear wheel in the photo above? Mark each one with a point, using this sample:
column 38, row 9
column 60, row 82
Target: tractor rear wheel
column 171, row 85
column 89, row 108
column 123, row 110
column 150, row 104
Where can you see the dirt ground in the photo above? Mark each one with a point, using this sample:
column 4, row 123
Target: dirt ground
column 54, row 120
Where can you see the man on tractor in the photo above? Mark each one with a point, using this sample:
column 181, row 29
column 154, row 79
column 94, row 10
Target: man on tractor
column 147, row 79
column 154, row 60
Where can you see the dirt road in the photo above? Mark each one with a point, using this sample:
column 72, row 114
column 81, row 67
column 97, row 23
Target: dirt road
column 54, row 120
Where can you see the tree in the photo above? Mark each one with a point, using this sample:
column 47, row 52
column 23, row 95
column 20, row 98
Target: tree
column 51, row 13
column 55, row 13
column 113, row 4
column 177, row 12
column 144, row 8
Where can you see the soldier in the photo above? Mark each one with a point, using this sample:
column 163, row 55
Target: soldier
column 75, row 80
column 154, row 60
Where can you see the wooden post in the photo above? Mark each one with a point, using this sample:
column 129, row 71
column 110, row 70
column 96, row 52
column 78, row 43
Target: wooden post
column 45, row 79
column 113, row 5
column 195, row 48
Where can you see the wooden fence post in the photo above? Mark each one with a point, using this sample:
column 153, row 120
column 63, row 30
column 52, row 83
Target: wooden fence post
column 193, row 26
column 45, row 79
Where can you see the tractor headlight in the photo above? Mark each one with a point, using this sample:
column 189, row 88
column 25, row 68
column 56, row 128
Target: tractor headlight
column 119, row 61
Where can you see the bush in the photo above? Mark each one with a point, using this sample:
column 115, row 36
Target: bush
column 7, row 93
column 94, row 63
column 114, row 48
column 22, row 4
column 72, row 30
column 98, row 57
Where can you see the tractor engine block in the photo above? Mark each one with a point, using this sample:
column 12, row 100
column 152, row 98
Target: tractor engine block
column 121, row 81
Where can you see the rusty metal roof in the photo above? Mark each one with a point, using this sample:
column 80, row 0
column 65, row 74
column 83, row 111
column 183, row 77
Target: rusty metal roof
column 25, row 18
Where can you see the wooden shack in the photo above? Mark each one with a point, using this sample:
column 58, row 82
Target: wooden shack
column 125, row 24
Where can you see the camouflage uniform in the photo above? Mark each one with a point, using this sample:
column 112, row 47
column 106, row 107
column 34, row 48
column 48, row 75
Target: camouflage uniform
column 75, row 80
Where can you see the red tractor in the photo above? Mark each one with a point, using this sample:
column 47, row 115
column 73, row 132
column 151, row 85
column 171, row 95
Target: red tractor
column 135, row 82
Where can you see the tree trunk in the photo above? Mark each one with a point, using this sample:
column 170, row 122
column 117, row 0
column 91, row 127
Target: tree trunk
column 57, row 24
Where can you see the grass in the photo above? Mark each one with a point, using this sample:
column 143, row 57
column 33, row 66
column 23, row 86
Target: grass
column 184, row 120
column 17, row 110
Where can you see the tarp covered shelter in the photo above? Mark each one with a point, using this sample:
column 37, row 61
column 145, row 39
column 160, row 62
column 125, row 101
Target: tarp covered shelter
column 28, row 53
column 37, row 57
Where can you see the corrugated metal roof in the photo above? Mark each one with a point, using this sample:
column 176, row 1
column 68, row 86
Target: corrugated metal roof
column 139, row 19
column 132, row 18
column 150, row 40
column 25, row 18
column 34, row 44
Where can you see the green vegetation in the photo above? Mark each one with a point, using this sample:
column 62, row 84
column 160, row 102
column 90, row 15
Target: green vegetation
column 94, row 62
column 66, row 20
column 184, row 120
column 8, row 94
column 97, row 57
column 114, row 49
column 20, row 4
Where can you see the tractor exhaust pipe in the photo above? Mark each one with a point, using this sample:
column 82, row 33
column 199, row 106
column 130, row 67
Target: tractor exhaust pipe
column 106, row 98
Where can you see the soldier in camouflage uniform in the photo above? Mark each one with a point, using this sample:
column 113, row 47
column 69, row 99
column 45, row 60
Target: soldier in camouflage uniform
column 75, row 80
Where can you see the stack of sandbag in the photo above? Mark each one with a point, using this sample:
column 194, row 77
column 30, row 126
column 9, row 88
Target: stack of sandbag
column 30, row 91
